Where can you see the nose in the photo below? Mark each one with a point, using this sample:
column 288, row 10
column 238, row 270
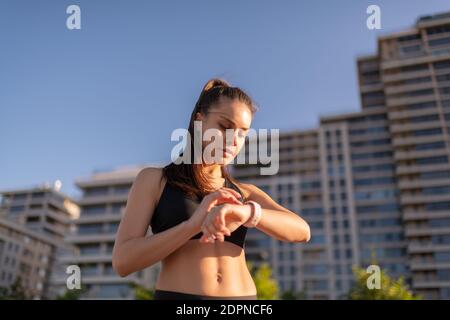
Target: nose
column 234, row 139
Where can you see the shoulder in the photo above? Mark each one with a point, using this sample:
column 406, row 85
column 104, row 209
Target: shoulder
column 149, row 179
column 150, row 173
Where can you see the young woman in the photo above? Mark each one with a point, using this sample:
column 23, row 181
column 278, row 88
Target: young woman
column 199, row 214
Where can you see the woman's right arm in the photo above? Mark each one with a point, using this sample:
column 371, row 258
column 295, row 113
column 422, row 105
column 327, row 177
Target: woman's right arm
column 133, row 249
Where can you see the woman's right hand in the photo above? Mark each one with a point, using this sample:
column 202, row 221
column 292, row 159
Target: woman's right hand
column 220, row 196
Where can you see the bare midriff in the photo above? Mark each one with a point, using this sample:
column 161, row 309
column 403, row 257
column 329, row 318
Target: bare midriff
column 212, row 269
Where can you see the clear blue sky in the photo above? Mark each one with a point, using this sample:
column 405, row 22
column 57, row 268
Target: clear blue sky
column 111, row 93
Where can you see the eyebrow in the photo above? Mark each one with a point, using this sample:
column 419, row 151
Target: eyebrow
column 232, row 122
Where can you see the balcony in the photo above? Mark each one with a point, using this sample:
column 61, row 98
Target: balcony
column 428, row 265
column 73, row 239
column 420, row 199
column 408, row 87
column 406, row 114
column 394, row 102
column 405, row 127
column 410, row 169
column 410, row 155
column 411, row 184
column 405, row 75
column 100, row 199
column 405, row 141
column 411, row 231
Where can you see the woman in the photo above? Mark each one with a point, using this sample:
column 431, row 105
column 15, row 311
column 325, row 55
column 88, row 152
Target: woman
column 199, row 215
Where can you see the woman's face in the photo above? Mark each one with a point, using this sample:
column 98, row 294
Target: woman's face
column 227, row 114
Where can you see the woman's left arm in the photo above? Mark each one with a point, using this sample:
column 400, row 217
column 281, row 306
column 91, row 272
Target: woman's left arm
column 277, row 221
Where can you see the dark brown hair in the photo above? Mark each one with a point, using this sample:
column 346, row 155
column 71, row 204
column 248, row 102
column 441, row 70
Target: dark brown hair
column 188, row 176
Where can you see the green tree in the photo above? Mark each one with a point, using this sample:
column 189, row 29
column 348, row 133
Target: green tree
column 289, row 295
column 15, row 292
column 390, row 289
column 141, row 292
column 266, row 286
column 74, row 294
column 293, row 295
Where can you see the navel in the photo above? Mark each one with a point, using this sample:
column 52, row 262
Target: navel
column 219, row 277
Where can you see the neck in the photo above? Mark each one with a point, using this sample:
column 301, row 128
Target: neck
column 214, row 174
column 212, row 171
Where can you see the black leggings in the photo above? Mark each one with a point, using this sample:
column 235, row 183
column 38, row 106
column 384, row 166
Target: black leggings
column 172, row 295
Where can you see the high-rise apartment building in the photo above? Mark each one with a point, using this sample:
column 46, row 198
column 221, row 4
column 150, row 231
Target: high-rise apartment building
column 35, row 222
column 375, row 184
column 102, row 205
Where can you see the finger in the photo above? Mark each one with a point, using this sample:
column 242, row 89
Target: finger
column 221, row 220
column 224, row 192
column 220, row 237
column 237, row 194
column 226, row 231
column 219, row 223
column 227, row 198
column 206, row 238
column 211, row 229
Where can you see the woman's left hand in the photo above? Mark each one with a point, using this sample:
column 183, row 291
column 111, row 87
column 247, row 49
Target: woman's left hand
column 223, row 220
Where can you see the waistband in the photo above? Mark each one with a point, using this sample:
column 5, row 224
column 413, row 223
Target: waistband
column 173, row 295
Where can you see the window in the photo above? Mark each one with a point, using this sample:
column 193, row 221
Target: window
column 376, row 194
column 442, row 256
column 121, row 189
column 434, row 175
column 97, row 191
column 90, row 228
column 112, row 227
column 117, row 207
column 427, row 132
column 361, row 156
column 440, row 239
column 438, row 29
column 438, row 206
column 442, row 64
column 370, row 143
column 315, row 269
column 430, row 146
column 439, row 42
column 16, row 209
column 94, row 209
column 317, row 239
column 108, row 270
column 439, row 223
column 443, row 274
column 443, row 78
column 38, row 195
column 113, row 290
column 389, row 207
column 89, row 249
column 373, row 181
column 89, row 269
column 436, row 190
column 431, row 160
column 377, row 167
column 380, row 223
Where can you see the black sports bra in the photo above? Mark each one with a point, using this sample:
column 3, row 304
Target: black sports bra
column 175, row 207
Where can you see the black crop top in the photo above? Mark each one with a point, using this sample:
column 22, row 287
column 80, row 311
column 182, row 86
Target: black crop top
column 175, row 207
